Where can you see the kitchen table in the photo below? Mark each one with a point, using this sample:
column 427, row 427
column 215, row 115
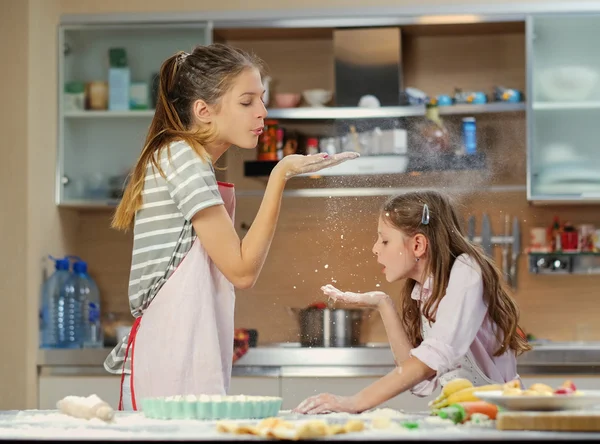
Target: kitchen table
column 52, row 425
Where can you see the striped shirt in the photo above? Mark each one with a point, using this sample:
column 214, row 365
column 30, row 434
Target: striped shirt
column 163, row 231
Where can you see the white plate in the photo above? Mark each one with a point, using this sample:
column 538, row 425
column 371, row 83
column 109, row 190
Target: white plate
column 584, row 399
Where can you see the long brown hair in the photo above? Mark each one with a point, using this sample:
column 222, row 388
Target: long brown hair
column 446, row 242
column 206, row 73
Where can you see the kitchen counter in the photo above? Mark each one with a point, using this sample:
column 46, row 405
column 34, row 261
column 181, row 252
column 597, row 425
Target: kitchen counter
column 50, row 424
column 290, row 359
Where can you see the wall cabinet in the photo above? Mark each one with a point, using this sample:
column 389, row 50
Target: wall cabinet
column 98, row 147
column 563, row 108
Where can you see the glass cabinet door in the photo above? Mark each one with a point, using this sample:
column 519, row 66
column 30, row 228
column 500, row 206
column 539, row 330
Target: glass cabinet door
column 563, row 107
column 97, row 146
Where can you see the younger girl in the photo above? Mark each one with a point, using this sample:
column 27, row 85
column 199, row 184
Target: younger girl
column 457, row 319
column 187, row 257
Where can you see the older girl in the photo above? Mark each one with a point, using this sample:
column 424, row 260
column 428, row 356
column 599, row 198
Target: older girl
column 187, row 257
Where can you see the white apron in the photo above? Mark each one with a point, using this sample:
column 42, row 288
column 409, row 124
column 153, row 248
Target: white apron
column 467, row 368
column 183, row 343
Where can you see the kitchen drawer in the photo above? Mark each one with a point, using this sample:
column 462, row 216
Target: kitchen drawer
column 255, row 386
column 51, row 389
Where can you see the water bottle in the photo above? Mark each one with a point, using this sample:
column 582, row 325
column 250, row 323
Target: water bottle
column 469, row 132
column 86, row 291
column 50, row 301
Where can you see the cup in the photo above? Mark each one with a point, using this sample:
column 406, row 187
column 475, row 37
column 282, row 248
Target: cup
column 538, row 239
column 587, row 233
column 96, row 95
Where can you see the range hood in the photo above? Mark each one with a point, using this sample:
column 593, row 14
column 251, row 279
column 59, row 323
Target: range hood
column 368, row 62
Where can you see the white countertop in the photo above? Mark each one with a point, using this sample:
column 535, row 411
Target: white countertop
column 50, row 424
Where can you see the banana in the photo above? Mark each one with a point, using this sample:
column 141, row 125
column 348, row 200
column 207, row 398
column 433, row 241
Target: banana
column 465, row 395
column 451, row 387
column 456, row 385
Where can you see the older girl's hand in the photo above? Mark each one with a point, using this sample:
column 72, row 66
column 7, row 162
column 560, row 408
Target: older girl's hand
column 296, row 164
column 370, row 299
column 326, row 403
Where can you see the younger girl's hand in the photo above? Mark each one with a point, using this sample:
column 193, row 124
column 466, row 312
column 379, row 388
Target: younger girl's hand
column 370, row 299
column 326, row 403
column 296, row 164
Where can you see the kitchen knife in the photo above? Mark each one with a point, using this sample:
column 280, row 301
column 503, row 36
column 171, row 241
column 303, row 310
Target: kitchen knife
column 516, row 251
column 505, row 269
column 486, row 235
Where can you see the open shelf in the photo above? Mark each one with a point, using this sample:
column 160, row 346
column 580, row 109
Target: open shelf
column 559, row 106
column 564, row 262
column 108, row 114
column 333, row 113
column 341, row 113
column 386, row 112
column 492, row 107
column 375, row 165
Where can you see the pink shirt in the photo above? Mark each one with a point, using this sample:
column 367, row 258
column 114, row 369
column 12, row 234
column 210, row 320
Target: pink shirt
column 462, row 323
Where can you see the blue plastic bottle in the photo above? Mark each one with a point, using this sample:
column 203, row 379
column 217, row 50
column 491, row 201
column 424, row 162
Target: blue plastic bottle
column 469, row 133
column 85, row 289
column 51, row 291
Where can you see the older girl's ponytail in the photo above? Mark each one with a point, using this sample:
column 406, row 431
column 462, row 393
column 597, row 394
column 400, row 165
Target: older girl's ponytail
column 165, row 116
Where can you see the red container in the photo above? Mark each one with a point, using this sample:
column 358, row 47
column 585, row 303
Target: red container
column 569, row 241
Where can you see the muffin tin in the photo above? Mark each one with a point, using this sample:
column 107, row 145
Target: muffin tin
column 211, row 407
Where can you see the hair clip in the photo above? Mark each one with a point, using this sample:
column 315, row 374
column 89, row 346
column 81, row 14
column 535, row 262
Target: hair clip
column 425, row 216
column 182, row 57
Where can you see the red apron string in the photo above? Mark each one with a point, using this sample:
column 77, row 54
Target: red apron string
column 130, row 343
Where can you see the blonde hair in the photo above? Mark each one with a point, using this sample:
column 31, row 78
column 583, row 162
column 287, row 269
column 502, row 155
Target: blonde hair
column 446, row 242
column 206, row 74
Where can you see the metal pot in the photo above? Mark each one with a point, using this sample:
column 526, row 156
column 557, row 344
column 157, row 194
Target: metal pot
column 325, row 327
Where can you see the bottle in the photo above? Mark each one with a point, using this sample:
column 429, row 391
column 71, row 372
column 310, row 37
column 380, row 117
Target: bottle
column 280, row 139
column 469, row 135
column 555, row 234
column 312, row 145
column 119, row 80
column 431, row 138
column 80, row 287
column 267, row 143
column 352, row 141
column 50, row 302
